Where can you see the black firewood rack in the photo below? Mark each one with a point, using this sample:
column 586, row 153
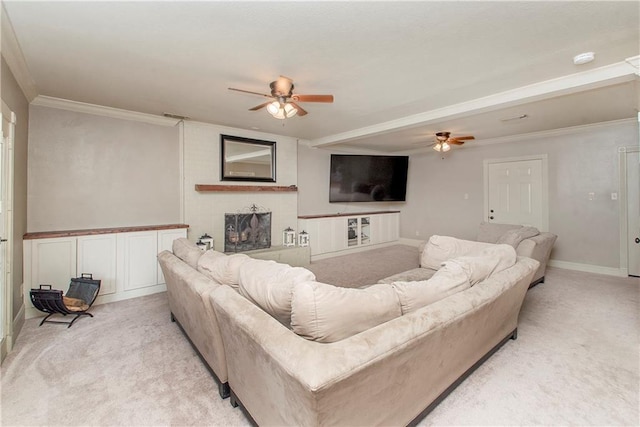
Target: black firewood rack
column 81, row 295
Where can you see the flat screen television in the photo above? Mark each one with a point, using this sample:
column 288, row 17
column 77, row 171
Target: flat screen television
column 368, row 178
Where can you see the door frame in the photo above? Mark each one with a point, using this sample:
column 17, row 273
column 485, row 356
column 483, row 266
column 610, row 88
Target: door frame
column 623, row 208
column 7, row 201
column 544, row 184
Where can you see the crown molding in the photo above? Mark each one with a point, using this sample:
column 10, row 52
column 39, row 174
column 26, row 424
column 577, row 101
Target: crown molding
column 635, row 62
column 531, row 135
column 99, row 110
column 555, row 132
column 619, row 72
column 15, row 59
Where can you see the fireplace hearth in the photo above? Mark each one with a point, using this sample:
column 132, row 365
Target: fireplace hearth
column 247, row 231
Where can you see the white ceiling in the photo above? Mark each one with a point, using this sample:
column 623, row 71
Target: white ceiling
column 399, row 71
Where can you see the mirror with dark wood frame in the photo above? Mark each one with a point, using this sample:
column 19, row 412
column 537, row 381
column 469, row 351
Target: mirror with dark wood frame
column 245, row 159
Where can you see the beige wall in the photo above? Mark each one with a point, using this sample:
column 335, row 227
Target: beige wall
column 90, row 171
column 580, row 161
column 12, row 95
column 204, row 212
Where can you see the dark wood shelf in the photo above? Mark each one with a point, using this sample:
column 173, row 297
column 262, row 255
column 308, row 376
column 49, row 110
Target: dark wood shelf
column 246, row 188
column 94, row 231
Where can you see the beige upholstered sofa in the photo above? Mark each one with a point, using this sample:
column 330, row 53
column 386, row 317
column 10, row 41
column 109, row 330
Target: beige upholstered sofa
column 527, row 241
column 187, row 291
column 298, row 352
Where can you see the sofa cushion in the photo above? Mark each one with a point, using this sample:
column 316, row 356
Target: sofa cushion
column 413, row 275
column 224, row 269
column 442, row 248
column 450, row 279
column 490, row 232
column 488, row 261
column 187, row 251
column 269, row 285
column 514, row 236
column 326, row 313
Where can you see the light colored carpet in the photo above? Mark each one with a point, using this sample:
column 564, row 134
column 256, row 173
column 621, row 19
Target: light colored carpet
column 575, row 362
column 365, row 268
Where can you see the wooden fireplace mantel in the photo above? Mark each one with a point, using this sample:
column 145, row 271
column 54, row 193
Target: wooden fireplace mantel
column 248, row 188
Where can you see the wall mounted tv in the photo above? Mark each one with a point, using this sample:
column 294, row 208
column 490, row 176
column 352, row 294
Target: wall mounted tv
column 365, row 178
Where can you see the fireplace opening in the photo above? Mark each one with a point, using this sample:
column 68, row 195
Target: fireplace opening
column 247, row 231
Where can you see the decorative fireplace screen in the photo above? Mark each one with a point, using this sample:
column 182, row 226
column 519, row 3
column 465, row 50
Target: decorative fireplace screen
column 247, row 231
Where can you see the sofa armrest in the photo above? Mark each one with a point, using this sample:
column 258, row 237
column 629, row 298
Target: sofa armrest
column 284, row 379
column 539, row 248
column 188, row 294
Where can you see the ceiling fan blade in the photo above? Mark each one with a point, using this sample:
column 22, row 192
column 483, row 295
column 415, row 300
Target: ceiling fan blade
column 301, row 111
column 454, row 141
column 257, row 107
column 312, row 98
column 248, row 91
column 464, row 138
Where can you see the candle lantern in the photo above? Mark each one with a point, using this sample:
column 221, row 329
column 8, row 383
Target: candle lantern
column 289, row 237
column 303, row 238
column 207, row 240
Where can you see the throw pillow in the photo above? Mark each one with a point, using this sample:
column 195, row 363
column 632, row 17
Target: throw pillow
column 210, row 262
column 480, row 265
column 442, row 248
column 490, row 232
column 187, row 251
column 224, row 269
column 515, row 236
column 326, row 313
column 450, row 279
column 269, row 285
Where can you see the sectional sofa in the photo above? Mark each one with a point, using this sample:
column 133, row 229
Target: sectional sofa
column 528, row 242
column 293, row 351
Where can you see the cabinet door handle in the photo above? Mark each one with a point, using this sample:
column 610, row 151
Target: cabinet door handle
column 637, row 239
column 491, row 217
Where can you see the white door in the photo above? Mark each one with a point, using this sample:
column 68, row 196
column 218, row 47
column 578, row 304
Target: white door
column 633, row 212
column 6, row 210
column 516, row 193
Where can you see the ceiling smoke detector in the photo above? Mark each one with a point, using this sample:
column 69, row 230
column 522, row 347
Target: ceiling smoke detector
column 583, row 58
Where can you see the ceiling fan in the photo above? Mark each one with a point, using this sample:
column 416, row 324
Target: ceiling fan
column 444, row 140
column 285, row 102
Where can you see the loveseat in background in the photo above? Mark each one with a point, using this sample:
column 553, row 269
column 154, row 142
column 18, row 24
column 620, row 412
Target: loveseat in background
column 538, row 246
column 527, row 241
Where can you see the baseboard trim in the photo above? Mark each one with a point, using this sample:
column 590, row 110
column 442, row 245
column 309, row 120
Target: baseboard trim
column 18, row 323
column 589, row 268
column 10, row 338
column 411, row 242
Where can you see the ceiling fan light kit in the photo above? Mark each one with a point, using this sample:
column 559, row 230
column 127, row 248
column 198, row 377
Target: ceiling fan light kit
column 442, row 147
column 281, row 110
column 444, row 141
column 285, row 101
